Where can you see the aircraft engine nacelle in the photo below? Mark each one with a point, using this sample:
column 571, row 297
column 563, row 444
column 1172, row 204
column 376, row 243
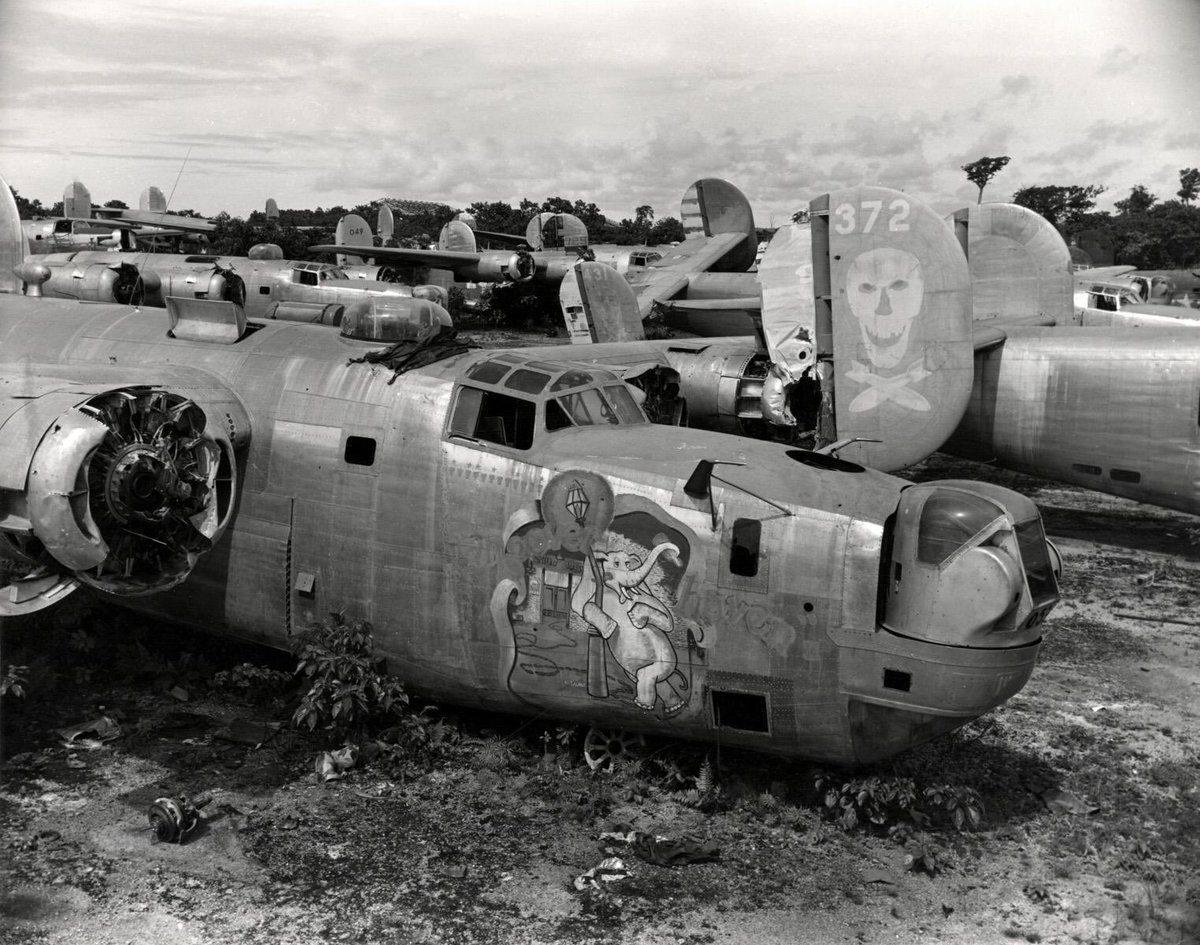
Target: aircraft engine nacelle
column 215, row 284
column 722, row 385
column 121, row 490
column 317, row 313
column 500, row 267
column 369, row 273
column 96, row 282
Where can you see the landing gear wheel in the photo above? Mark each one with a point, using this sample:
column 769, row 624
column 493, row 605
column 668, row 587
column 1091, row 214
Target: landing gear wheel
column 605, row 748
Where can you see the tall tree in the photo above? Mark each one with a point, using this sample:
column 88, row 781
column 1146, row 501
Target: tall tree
column 1189, row 184
column 981, row 171
column 1139, row 200
column 644, row 215
column 27, row 209
column 1062, row 205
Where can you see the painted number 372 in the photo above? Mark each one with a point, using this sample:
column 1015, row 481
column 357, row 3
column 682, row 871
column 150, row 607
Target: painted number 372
column 848, row 217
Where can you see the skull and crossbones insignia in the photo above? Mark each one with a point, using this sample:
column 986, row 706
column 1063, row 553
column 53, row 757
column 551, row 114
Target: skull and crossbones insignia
column 885, row 289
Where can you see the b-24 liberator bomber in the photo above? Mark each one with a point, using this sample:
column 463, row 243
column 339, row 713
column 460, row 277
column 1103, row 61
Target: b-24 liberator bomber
column 518, row 533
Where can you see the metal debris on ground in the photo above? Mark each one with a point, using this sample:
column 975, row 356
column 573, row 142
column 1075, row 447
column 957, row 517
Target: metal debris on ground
column 333, row 765
column 103, row 729
column 666, row 851
column 175, row 818
column 609, row 870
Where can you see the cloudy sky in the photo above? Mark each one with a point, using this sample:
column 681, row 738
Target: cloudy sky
column 622, row 103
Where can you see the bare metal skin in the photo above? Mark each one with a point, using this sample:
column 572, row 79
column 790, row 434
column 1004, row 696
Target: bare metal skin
column 517, row 533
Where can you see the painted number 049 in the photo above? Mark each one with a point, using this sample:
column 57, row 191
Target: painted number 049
column 847, row 216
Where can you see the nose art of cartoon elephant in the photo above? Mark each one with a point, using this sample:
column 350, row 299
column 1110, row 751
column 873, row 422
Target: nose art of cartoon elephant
column 634, row 623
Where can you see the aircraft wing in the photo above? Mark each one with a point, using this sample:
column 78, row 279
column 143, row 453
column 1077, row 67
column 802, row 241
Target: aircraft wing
column 171, row 221
column 433, row 258
column 661, row 284
column 1101, row 273
column 503, row 239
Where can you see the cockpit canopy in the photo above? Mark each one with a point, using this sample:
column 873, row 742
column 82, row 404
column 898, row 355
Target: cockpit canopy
column 314, row 273
column 391, row 318
column 508, row 399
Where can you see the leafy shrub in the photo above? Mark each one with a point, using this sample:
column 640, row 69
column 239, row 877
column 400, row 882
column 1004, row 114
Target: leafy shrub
column 13, row 681
column 347, row 689
column 882, row 802
column 250, row 681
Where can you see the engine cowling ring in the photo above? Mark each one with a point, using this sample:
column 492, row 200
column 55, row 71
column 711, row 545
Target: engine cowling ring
column 123, row 490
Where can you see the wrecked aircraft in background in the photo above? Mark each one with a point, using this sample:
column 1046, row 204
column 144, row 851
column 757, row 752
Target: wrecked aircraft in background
column 880, row 343
column 264, row 284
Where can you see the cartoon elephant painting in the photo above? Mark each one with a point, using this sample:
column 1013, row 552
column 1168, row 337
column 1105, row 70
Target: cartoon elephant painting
column 634, row 624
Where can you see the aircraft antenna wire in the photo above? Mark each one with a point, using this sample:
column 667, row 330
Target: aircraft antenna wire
column 166, row 207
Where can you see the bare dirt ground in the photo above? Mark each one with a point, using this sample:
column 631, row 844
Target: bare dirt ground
column 1088, row 778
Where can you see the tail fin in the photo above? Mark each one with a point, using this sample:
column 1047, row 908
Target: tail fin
column 152, row 199
column 77, row 202
column 385, row 226
column 272, row 210
column 457, row 237
column 598, row 305
column 13, row 245
column 1020, row 265
column 713, row 206
column 883, row 286
column 352, row 230
column 556, row 231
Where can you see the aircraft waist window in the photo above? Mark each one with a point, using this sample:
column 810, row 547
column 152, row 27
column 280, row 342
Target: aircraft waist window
column 627, row 409
column 1036, row 560
column 494, row 418
column 587, row 407
column 949, row 521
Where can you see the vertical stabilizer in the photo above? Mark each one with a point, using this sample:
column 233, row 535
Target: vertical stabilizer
column 13, row 246
column 598, row 305
column 385, row 226
column 713, row 206
column 272, row 210
column 457, row 237
column 77, row 202
column 1020, row 265
column 152, row 199
column 352, row 230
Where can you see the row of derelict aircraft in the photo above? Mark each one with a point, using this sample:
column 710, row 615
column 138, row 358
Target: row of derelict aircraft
column 696, row 536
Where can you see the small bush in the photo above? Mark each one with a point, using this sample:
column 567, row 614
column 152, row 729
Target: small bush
column 347, row 689
column 13, row 681
column 250, row 681
column 893, row 802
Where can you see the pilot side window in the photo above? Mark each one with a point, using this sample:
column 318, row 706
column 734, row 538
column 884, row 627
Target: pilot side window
column 556, row 417
column 743, row 551
column 304, row 277
column 493, row 418
column 586, row 407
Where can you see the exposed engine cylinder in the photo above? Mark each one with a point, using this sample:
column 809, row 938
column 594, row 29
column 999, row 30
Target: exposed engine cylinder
column 125, row 491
